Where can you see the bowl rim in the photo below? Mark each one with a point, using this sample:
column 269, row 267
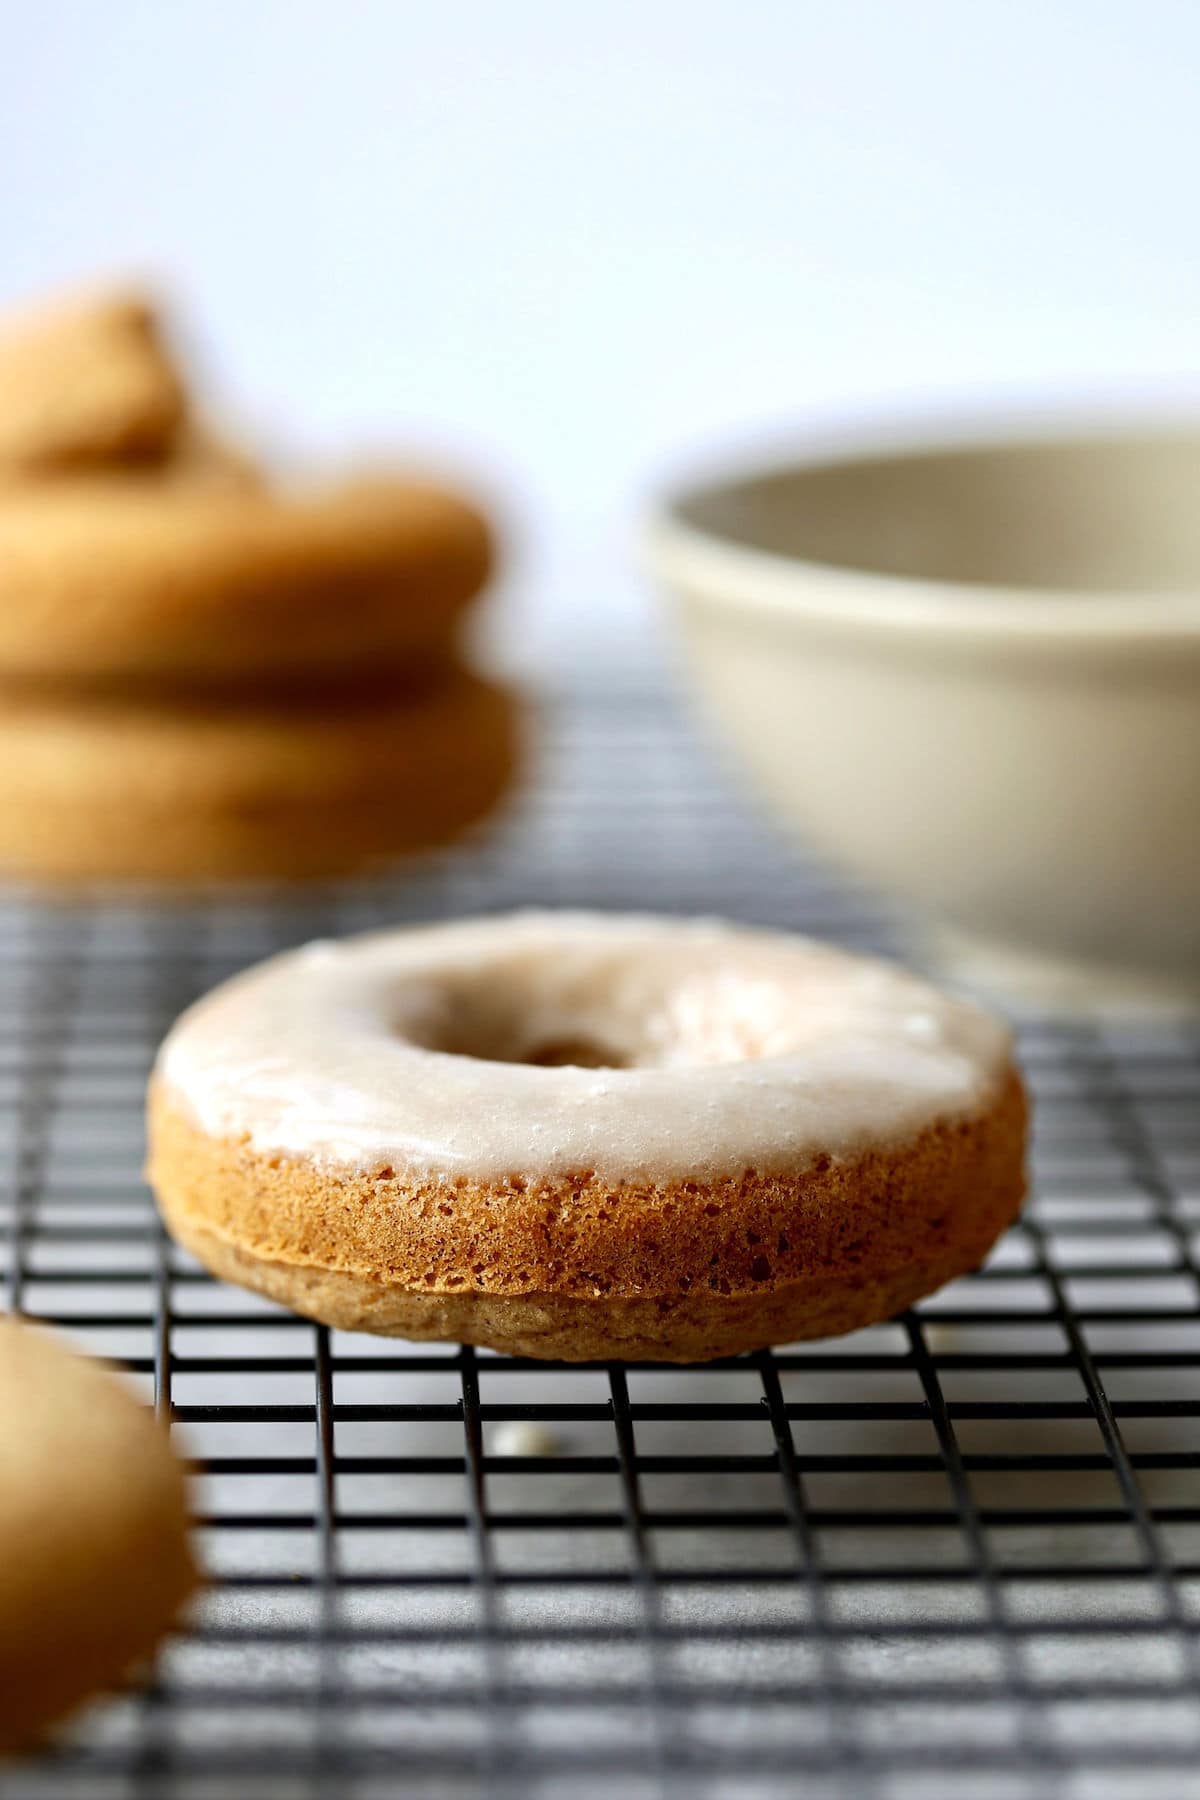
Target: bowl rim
column 704, row 565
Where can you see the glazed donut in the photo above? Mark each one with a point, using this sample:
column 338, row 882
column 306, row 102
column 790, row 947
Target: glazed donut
column 173, row 788
column 94, row 1556
column 584, row 1136
column 118, row 576
column 86, row 382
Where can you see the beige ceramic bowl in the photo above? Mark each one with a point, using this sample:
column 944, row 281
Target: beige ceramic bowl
column 972, row 675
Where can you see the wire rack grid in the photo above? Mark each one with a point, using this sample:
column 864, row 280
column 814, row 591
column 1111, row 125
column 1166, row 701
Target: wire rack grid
column 955, row 1554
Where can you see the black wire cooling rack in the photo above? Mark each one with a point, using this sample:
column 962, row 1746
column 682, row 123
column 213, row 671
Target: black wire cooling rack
column 957, row 1554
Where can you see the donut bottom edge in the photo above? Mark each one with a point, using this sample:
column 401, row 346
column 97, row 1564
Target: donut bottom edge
column 564, row 1328
column 955, row 1190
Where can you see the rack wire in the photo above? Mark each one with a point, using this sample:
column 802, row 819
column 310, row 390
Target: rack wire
column 954, row 1554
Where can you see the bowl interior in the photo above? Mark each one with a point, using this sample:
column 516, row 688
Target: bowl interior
column 1103, row 515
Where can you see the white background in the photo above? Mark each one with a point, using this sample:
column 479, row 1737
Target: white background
column 576, row 243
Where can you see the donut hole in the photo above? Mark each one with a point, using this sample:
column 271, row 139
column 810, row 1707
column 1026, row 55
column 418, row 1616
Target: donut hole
column 617, row 1017
column 556, row 1050
column 573, row 1053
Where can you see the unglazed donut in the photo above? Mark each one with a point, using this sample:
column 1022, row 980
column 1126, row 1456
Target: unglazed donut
column 202, row 577
column 94, row 1556
column 585, row 1136
column 86, row 382
column 177, row 788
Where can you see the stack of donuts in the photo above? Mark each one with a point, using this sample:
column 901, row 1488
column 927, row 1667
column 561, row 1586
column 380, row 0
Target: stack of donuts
column 204, row 674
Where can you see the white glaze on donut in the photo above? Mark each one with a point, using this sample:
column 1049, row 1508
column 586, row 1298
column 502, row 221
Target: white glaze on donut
column 422, row 1050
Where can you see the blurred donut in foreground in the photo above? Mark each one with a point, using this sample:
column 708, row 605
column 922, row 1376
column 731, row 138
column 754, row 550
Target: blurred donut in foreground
column 94, row 1557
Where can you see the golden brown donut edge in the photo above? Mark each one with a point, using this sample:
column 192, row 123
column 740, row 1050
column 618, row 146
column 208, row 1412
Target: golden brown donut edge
column 577, row 1269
